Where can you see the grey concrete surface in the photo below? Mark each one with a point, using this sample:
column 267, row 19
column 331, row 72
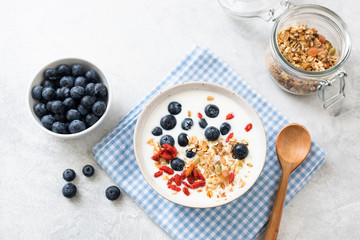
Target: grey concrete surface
column 136, row 44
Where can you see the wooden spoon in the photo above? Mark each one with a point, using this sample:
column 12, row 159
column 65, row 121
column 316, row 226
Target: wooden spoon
column 292, row 147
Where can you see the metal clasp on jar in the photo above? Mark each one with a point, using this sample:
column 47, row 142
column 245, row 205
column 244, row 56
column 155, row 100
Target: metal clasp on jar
column 326, row 85
column 285, row 5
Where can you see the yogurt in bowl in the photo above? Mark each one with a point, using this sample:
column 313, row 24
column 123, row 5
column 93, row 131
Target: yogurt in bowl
column 208, row 171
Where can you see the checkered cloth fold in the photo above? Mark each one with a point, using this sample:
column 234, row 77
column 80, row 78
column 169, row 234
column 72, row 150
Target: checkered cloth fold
column 243, row 218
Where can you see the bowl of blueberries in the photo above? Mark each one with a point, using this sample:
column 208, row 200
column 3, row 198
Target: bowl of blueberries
column 69, row 98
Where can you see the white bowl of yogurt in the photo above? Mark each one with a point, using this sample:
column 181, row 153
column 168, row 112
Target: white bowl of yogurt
column 219, row 188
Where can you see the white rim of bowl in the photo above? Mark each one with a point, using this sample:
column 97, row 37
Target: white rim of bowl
column 66, row 61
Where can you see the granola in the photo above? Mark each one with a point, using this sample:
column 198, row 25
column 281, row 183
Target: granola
column 305, row 49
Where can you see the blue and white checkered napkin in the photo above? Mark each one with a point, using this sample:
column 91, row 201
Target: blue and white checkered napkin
column 243, row 218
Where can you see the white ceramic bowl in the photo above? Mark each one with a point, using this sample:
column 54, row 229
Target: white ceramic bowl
column 192, row 96
column 40, row 77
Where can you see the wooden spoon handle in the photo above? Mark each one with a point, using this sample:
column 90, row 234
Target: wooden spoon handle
column 274, row 222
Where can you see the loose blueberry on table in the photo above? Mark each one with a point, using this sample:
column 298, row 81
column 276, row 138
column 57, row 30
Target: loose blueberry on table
column 88, row 170
column 69, row 190
column 69, row 175
column 112, row 193
column 70, row 99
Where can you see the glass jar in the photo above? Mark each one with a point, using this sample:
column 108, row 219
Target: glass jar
column 328, row 84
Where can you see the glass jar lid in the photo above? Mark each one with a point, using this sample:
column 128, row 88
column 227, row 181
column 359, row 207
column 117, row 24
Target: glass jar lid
column 264, row 9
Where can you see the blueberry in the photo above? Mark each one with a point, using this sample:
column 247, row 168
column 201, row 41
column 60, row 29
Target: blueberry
column 240, row 151
column 58, row 107
column 40, row 109
column 100, row 90
column 67, row 81
column 202, row 123
column 51, row 74
column 112, row 193
column 177, row 164
column 62, row 93
column 77, row 92
column 183, row 140
column 212, row 111
column 167, row 139
column 69, row 175
column 212, row 133
column 187, row 123
column 48, row 83
column 69, row 103
column 174, row 108
column 60, row 117
column 168, row 122
column 80, row 81
column 90, row 89
column 63, row 70
column 225, row 128
column 82, row 110
column 47, row 121
column 76, row 126
column 48, row 105
column 77, row 70
column 189, row 153
column 69, row 190
column 91, row 119
column 48, row 93
column 88, row 170
column 59, row 127
column 87, row 102
column 99, row 108
column 157, row 131
column 73, row 114
column 92, row 76
column 36, row 92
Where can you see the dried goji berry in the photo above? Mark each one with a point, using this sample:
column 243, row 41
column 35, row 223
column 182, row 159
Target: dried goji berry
column 195, row 174
column 157, row 155
column 170, row 181
column 248, row 127
column 231, row 178
column 169, row 152
column 177, row 179
column 197, row 185
column 200, row 115
column 173, row 187
column 183, row 176
column 167, row 170
column 229, row 116
column 186, row 191
column 186, row 184
column 191, row 179
column 200, row 176
column 230, row 136
column 158, row 174
column 177, row 189
column 189, row 170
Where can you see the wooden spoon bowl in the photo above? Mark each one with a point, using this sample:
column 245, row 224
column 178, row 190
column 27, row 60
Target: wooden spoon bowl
column 293, row 144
